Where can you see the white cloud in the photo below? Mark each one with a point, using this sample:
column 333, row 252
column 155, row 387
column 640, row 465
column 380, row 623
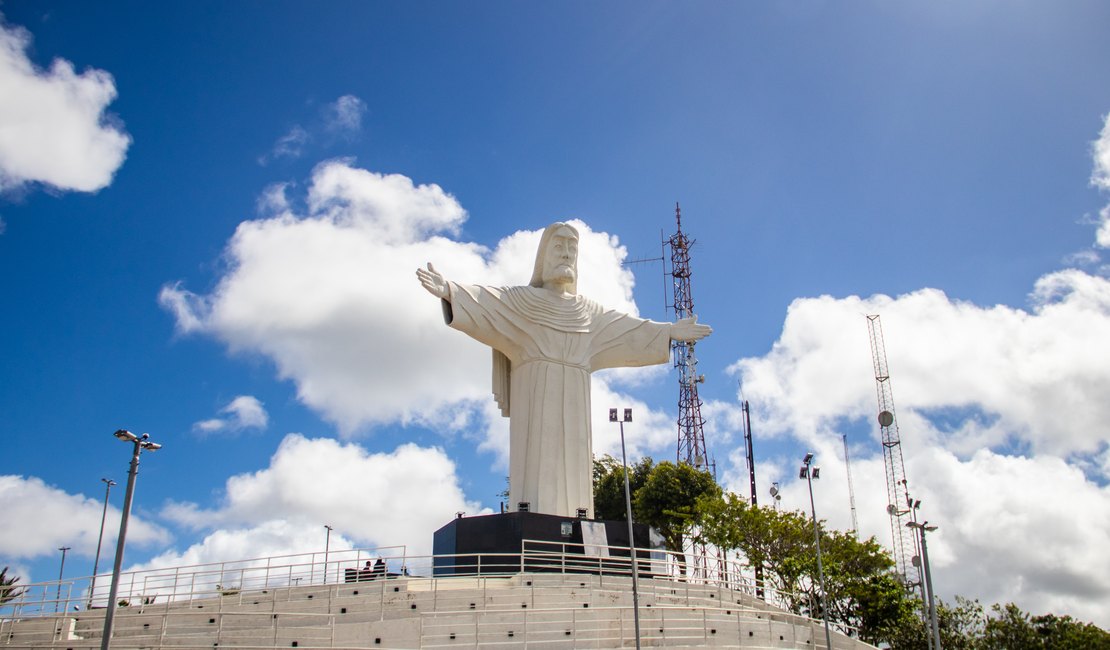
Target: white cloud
column 370, row 499
column 1020, row 370
column 343, row 117
column 1000, row 410
column 1100, row 178
column 1100, row 152
column 53, row 128
column 340, row 120
column 47, row 518
column 291, row 144
column 332, row 298
column 1102, row 237
column 244, row 412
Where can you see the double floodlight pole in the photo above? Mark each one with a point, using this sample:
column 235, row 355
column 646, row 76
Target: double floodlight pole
column 140, row 443
column 810, row 472
column 628, row 514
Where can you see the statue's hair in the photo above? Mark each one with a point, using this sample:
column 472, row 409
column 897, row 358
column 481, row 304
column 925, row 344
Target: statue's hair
column 545, row 241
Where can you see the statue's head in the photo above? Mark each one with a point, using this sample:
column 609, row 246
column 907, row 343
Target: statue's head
column 557, row 258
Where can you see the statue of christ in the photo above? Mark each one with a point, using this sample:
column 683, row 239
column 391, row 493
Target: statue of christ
column 546, row 341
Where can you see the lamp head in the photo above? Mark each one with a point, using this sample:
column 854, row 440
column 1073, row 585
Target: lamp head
column 150, row 446
column 125, row 435
column 808, row 459
column 816, row 473
column 803, row 472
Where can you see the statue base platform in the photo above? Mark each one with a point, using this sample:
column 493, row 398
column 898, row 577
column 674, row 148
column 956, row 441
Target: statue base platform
column 518, row 542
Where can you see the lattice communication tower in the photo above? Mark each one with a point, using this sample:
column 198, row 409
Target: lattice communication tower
column 691, row 425
column 897, row 489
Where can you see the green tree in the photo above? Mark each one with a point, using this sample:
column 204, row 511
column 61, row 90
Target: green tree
column 862, row 590
column 668, row 500
column 8, row 589
column 609, row 485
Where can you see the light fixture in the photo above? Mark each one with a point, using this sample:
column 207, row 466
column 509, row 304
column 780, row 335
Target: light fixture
column 125, row 435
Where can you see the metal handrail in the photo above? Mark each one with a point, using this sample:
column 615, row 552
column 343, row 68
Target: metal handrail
column 216, row 585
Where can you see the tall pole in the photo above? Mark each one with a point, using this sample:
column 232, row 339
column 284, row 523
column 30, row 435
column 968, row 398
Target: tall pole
column 922, row 528
column 327, row 547
column 61, row 571
column 108, row 483
column 628, row 515
column 141, row 442
column 811, row 473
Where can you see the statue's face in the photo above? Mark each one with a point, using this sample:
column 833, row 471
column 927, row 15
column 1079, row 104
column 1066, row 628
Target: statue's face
column 560, row 260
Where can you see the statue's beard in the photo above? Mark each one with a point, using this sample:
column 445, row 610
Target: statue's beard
column 561, row 275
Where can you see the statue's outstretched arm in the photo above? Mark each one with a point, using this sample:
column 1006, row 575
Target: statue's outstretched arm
column 434, row 282
column 689, row 330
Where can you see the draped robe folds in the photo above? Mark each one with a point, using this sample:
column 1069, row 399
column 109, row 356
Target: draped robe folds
column 549, row 345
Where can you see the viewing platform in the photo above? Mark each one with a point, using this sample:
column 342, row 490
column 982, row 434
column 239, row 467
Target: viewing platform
column 333, row 601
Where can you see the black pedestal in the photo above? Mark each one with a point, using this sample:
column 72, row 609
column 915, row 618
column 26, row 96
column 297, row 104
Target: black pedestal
column 528, row 541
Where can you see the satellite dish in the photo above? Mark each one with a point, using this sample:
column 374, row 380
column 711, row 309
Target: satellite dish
column 916, row 561
column 774, row 491
column 890, row 509
column 886, row 418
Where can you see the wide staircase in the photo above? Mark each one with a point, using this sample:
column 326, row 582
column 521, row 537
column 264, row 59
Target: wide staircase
column 552, row 609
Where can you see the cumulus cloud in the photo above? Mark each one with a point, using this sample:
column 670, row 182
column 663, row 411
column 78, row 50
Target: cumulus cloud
column 50, row 517
column 372, row 499
column 1002, row 416
column 244, row 412
column 1017, row 371
column 53, row 125
column 331, row 297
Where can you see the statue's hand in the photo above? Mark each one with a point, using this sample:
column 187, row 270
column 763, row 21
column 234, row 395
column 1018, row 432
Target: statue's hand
column 433, row 281
column 689, row 330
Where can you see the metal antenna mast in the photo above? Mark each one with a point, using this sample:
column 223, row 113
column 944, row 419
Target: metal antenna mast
column 896, row 487
column 851, row 490
column 691, row 434
column 751, row 479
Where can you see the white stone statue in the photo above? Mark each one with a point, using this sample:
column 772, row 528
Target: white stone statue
column 546, row 341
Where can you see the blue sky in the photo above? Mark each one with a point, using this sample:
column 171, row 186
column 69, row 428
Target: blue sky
column 211, row 213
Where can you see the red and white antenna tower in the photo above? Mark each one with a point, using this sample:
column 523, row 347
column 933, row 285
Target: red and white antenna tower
column 900, row 507
column 691, row 434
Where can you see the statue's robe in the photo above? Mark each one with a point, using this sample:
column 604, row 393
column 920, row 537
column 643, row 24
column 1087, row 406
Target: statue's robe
column 545, row 347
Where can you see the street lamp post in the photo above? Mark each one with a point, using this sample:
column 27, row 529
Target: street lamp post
column 61, row 571
column 108, row 483
column 628, row 514
column 140, row 442
column 923, row 528
column 327, row 547
column 809, row 472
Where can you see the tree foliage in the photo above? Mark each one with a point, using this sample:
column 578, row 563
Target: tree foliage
column 8, row 589
column 864, row 592
column 861, row 589
column 609, row 485
column 668, row 500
